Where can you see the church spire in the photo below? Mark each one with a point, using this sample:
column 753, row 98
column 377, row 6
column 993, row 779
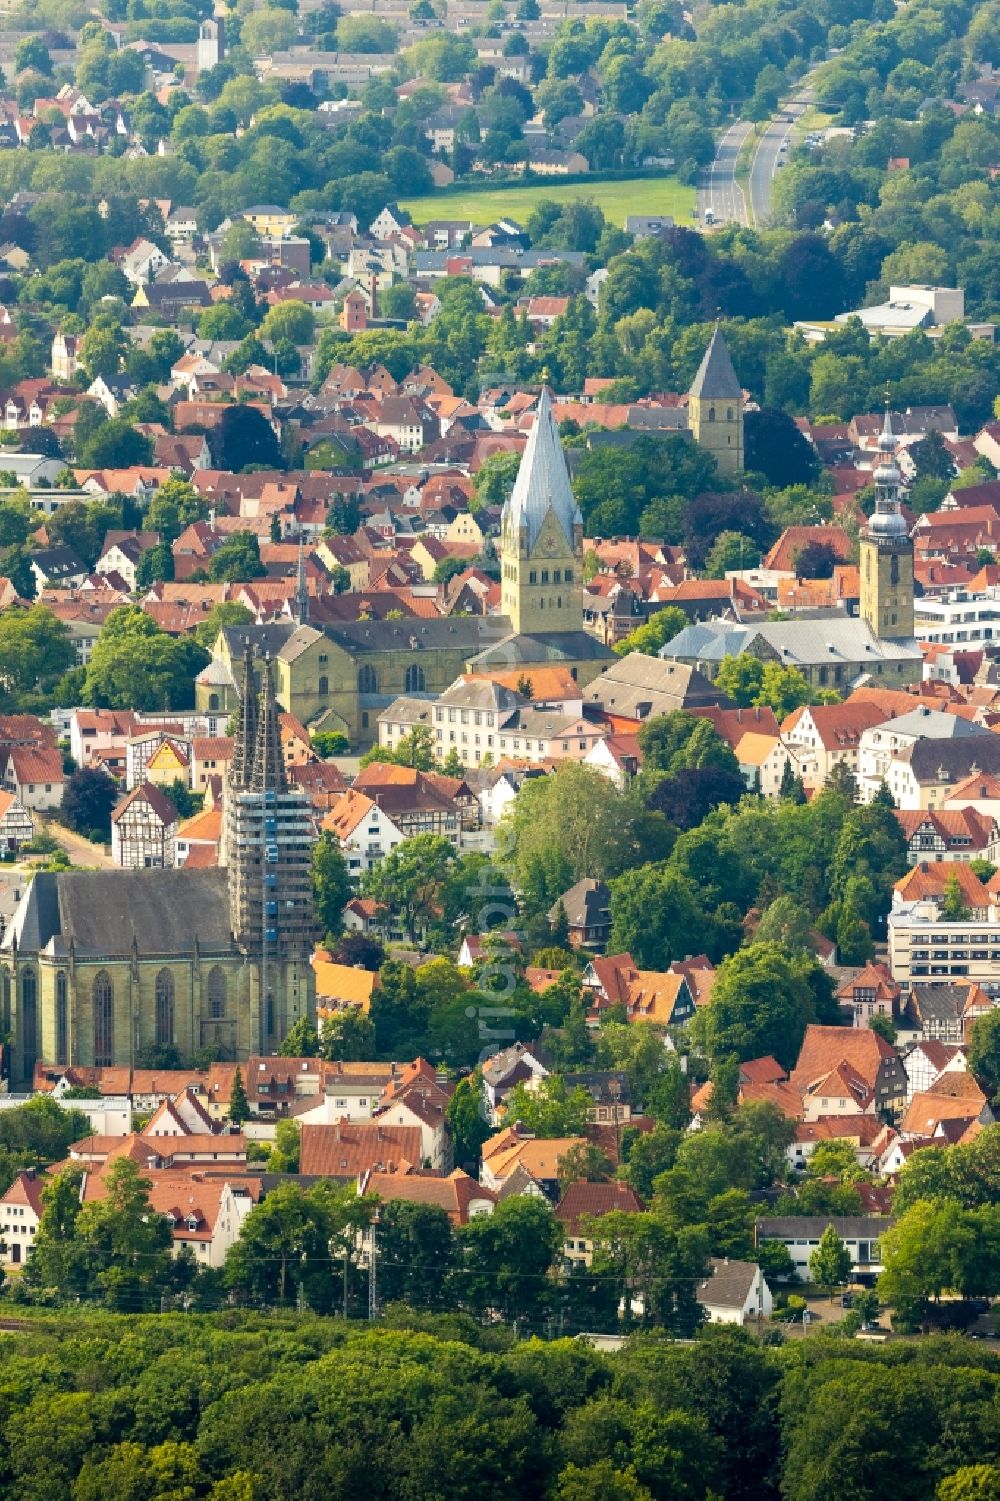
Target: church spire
column 241, row 767
column 542, row 482
column 301, row 589
column 268, row 773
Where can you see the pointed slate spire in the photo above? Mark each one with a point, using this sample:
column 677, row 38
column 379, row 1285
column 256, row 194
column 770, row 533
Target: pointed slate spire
column 241, row 766
column 268, row 773
column 301, row 590
column 542, row 481
column 716, row 379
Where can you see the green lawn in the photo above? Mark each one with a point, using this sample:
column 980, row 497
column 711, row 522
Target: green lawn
column 631, row 195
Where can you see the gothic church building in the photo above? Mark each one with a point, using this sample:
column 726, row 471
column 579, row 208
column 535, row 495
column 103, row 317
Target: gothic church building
column 98, row 967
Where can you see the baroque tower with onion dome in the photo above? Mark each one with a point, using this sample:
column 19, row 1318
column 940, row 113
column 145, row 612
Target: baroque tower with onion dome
column 886, row 562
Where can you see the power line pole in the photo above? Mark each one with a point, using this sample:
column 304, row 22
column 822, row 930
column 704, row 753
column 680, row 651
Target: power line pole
column 372, row 1298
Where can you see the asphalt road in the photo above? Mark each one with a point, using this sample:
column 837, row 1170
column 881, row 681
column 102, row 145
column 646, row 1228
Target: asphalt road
column 718, row 191
column 770, row 156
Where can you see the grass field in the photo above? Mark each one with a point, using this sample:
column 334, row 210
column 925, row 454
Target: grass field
column 630, row 195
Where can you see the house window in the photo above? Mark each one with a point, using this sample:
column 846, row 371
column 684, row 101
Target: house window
column 216, row 993
column 104, row 1019
column 164, row 1009
column 62, row 1019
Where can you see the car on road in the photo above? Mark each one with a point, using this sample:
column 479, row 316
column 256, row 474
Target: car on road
column 709, row 216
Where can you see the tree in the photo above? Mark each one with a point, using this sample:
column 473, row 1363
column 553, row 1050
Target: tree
column 237, row 560
column 409, row 879
column 830, row 1263
column 816, row 560
column 35, row 649
column 774, row 447
column 300, row 1041
column 349, row 1035
column 920, row 1256
column 682, row 741
column 88, row 799
column 331, row 883
column 287, row 1241
column 284, row 1156
column 561, row 828
column 175, row 505
column 731, row 552
column 466, row 1117
column 116, row 444
column 658, row 630
column 984, row 1052
column 551, row 1109
column 239, row 1106
column 264, row 32
column 135, row 665
column 883, row 1025
column 221, row 617
column 415, row 1248
column 953, row 907
column 506, row 1257
column 979, row 1482
column 31, row 52
column 290, row 320
column 56, row 1262
column 156, row 564
column 931, row 458
column 126, row 1245
column 494, row 480
column 244, row 438
column 762, row 1000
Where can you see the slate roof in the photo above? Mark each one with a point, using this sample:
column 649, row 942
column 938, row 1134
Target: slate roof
column 730, row 1284
column 716, row 378
column 103, row 911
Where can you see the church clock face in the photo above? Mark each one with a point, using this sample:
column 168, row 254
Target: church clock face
column 549, row 546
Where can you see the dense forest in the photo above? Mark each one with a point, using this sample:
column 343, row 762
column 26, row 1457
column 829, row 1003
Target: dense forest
column 235, row 1409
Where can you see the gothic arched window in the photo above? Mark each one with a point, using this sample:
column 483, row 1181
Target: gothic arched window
column 367, row 679
column 323, row 687
column 414, row 681
column 164, row 1009
column 62, row 1019
column 28, row 1019
column 216, row 994
column 104, row 1019
column 711, row 414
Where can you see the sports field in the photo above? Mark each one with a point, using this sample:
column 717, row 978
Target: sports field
column 630, row 195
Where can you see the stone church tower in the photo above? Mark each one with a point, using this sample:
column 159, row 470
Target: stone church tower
column 267, row 845
column 541, row 538
column 715, row 407
column 887, row 551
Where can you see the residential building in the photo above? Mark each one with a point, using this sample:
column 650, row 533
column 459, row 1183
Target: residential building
column 734, row 1292
column 870, row 992
column 800, row 1235
column 20, row 1216
column 882, row 744
column 144, row 829
column 363, row 831
column 587, row 910
column 17, row 827
column 824, row 736
column 959, row 833
column 946, row 1012
column 580, row 1205
column 34, row 774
